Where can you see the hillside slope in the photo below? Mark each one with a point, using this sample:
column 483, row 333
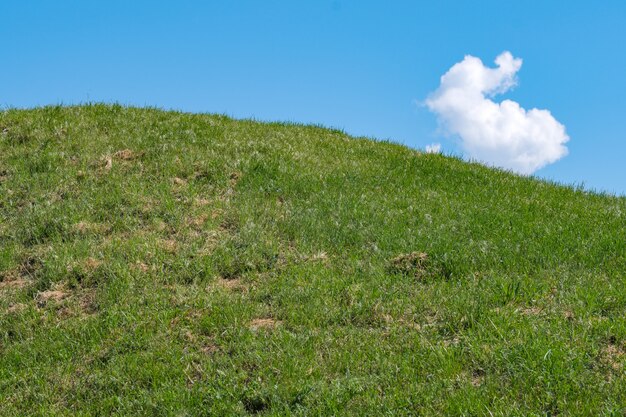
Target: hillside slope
column 161, row 263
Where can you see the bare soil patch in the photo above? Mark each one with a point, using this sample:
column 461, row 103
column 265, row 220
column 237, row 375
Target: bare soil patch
column 84, row 227
column 530, row 311
column 202, row 202
column 179, row 181
column 234, row 178
column 409, row 264
column 140, row 266
column 263, row 323
column 232, row 284
column 613, row 355
column 16, row 308
column 169, row 245
column 16, row 283
column 92, row 264
column 45, row 297
column 127, row 155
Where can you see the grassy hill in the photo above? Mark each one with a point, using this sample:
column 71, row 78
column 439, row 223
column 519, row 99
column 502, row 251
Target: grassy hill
column 161, row 263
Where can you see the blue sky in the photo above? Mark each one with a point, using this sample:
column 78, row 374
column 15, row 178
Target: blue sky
column 363, row 66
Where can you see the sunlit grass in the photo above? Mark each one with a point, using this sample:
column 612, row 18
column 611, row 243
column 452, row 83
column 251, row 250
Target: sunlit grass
column 160, row 263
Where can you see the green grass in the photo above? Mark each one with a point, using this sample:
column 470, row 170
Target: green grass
column 160, row 263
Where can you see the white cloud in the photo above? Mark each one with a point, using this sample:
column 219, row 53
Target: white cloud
column 433, row 148
column 500, row 134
